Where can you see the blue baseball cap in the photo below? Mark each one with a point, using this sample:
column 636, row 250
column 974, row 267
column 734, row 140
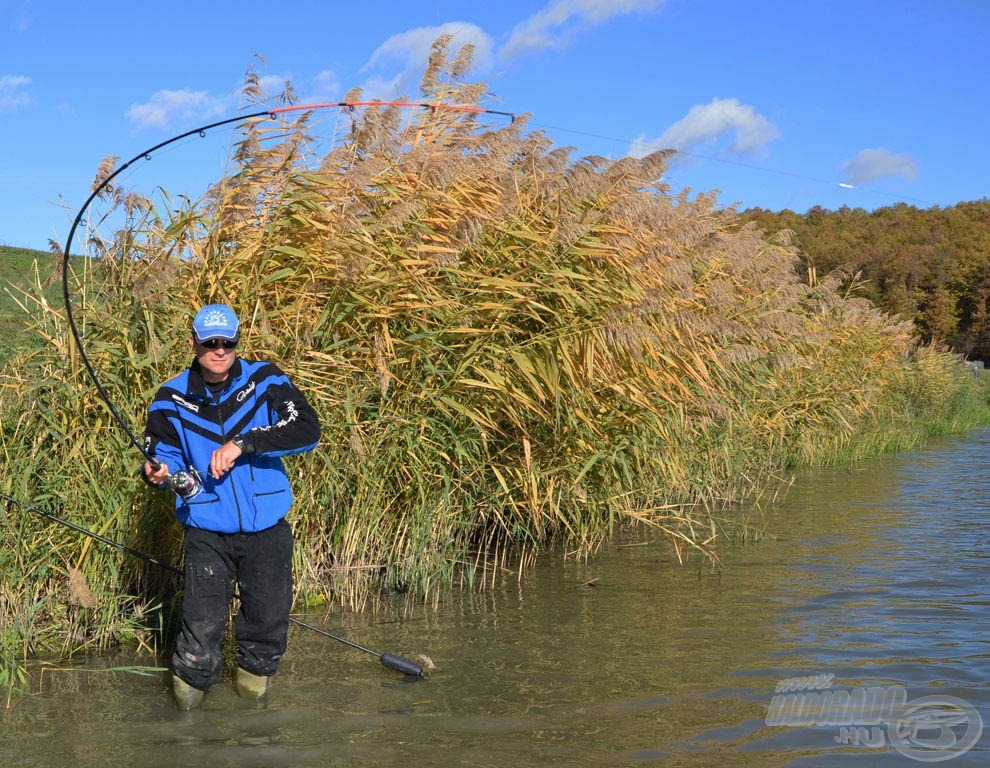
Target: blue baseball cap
column 216, row 321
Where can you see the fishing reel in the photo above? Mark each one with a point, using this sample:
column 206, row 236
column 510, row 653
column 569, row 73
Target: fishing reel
column 186, row 483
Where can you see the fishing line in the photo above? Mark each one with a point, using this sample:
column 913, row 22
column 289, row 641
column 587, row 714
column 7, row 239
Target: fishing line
column 741, row 164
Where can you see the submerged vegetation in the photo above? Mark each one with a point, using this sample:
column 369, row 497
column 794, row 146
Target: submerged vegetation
column 509, row 348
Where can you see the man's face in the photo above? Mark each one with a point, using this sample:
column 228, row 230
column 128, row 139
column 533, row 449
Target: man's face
column 214, row 357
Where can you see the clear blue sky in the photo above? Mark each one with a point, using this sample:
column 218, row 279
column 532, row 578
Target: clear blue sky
column 776, row 103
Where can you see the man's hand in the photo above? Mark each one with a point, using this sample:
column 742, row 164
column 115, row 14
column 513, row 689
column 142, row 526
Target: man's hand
column 223, row 459
column 156, row 476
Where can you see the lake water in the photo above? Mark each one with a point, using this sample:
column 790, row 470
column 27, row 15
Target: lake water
column 875, row 584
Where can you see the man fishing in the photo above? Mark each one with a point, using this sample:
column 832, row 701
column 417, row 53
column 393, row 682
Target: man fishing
column 218, row 431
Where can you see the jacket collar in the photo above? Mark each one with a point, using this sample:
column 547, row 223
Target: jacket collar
column 197, row 386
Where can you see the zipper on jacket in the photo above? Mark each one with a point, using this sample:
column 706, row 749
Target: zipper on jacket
column 224, row 438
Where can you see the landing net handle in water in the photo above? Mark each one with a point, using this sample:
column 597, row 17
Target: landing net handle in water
column 389, row 660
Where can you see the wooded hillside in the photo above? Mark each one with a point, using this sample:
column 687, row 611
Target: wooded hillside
column 931, row 266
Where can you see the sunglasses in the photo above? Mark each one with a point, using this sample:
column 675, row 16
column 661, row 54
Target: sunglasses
column 214, row 343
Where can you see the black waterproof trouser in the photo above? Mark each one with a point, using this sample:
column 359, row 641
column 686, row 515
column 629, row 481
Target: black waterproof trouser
column 260, row 565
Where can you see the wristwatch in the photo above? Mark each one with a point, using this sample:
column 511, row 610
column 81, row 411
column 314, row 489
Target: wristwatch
column 238, row 440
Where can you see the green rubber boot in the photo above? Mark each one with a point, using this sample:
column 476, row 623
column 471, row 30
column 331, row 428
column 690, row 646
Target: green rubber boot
column 186, row 697
column 251, row 686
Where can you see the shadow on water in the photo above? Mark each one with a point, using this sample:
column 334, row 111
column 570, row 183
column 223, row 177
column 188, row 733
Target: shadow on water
column 877, row 576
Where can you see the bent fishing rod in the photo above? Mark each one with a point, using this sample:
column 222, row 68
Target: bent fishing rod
column 388, row 660
column 181, row 482
column 271, row 114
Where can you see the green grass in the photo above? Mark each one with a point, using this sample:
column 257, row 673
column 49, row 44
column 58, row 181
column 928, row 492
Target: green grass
column 21, row 270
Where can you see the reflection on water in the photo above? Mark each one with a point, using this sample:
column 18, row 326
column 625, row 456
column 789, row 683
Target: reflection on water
column 878, row 576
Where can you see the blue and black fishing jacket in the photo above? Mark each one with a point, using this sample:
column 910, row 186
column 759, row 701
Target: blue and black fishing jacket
column 187, row 422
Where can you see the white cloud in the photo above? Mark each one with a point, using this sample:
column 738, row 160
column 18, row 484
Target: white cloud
column 410, row 50
column 272, row 85
column 708, row 124
column 558, row 23
column 875, row 164
column 325, row 86
column 13, row 93
column 167, row 106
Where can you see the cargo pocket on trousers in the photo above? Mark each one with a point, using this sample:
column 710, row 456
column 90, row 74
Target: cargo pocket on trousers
column 206, row 590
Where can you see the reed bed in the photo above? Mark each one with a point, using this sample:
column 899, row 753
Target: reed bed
column 509, row 349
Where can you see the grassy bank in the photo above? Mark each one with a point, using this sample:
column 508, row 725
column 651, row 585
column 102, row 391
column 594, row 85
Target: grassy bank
column 24, row 274
column 508, row 348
